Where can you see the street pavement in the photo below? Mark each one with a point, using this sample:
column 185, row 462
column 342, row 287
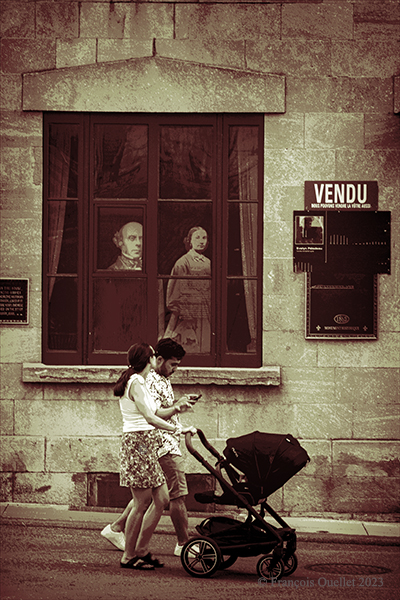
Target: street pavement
column 309, row 529
column 69, row 560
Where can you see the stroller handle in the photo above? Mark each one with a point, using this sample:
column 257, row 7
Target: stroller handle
column 206, row 444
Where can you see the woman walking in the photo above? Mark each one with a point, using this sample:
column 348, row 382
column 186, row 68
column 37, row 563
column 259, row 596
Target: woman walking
column 140, row 469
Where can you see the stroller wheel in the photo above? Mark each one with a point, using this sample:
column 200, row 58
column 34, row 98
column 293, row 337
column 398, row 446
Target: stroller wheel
column 289, row 565
column 201, row 557
column 270, row 568
column 228, row 561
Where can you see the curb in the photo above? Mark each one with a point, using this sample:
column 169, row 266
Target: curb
column 307, row 529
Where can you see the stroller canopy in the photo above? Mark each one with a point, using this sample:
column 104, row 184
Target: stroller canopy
column 268, row 460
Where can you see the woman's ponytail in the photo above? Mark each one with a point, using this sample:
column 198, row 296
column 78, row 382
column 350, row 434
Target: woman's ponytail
column 120, row 386
column 138, row 357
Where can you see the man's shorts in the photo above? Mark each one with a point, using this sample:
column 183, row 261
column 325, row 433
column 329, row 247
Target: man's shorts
column 172, row 465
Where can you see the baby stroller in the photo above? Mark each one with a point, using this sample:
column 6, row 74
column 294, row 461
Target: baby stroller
column 256, row 464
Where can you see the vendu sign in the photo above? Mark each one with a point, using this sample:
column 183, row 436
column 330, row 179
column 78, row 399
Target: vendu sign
column 341, row 195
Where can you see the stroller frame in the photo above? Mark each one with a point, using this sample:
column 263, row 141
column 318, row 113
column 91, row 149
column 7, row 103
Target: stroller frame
column 203, row 555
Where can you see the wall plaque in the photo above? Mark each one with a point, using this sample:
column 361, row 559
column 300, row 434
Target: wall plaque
column 341, row 305
column 14, row 301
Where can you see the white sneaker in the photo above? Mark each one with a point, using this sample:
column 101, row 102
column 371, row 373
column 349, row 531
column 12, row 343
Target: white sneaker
column 116, row 538
column 178, row 550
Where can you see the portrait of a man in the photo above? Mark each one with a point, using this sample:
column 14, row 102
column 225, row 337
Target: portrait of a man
column 129, row 240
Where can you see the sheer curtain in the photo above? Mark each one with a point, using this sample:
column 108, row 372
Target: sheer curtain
column 248, row 173
column 60, row 164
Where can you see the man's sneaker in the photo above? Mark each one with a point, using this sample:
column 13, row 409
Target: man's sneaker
column 178, row 550
column 116, row 538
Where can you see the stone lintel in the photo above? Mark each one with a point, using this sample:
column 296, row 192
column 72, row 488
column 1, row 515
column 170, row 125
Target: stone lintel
column 153, row 85
column 40, row 373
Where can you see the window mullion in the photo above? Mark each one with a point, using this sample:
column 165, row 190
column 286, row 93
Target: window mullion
column 221, row 240
column 151, row 238
column 84, row 242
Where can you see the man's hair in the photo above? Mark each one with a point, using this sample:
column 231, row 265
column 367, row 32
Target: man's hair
column 117, row 239
column 168, row 348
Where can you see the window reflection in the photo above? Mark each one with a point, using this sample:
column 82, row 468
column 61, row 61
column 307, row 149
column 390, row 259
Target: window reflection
column 119, row 313
column 189, row 299
column 241, row 316
column 185, row 162
column 63, row 313
column 121, row 161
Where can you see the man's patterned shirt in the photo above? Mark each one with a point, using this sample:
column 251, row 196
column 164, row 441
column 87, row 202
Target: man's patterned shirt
column 161, row 389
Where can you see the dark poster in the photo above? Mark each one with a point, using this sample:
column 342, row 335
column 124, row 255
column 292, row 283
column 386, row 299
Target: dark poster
column 14, row 301
column 341, row 305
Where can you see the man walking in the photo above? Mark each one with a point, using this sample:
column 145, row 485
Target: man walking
column 168, row 356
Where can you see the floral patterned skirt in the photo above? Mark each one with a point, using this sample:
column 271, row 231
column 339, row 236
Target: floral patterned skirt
column 139, row 460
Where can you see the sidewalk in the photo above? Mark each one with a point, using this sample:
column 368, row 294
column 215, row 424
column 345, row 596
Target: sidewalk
column 308, row 529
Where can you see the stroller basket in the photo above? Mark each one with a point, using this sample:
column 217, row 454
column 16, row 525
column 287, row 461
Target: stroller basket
column 227, row 532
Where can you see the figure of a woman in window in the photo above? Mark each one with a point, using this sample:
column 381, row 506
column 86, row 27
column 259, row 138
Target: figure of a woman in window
column 189, row 296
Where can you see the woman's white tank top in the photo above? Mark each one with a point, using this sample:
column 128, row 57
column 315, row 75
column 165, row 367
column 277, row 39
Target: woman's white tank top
column 133, row 420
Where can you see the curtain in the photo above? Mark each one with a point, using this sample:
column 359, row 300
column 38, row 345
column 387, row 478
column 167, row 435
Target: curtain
column 60, row 164
column 248, row 172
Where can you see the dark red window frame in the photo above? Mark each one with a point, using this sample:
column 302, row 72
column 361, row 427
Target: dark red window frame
column 223, row 282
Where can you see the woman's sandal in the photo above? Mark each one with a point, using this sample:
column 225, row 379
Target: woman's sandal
column 137, row 563
column 149, row 560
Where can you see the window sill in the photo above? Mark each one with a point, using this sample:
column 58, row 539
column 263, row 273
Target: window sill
column 40, row 373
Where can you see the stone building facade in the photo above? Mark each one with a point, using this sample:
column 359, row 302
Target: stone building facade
column 325, row 75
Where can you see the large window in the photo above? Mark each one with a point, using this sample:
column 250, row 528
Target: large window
column 152, row 228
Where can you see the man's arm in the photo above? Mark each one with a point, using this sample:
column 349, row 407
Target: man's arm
column 181, row 405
